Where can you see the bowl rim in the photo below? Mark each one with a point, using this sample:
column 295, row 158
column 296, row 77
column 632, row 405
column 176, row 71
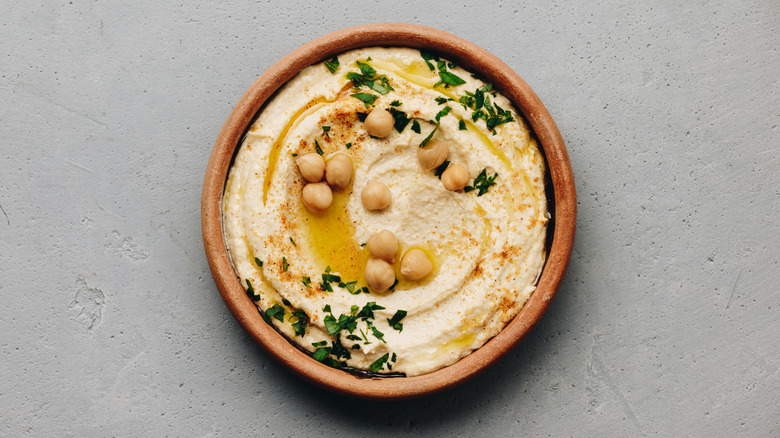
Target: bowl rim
column 471, row 57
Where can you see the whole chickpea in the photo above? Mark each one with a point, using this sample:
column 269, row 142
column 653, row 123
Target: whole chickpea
column 433, row 154
column 338, row 171
column 455, row 177
column 379, row 275
column 317, row 197
column 383, row 245
column 375, row 195
column 379, row 123
column 415, row 265
column 312, row 166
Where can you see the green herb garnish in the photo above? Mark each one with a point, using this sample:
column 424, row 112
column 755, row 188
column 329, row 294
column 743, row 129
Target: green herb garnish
column 285, row 265
column 306, row 281
column 258, row 262
column 427, row 56
column 293, row 242
column 294, row 155
column 444, row 111
column 362, row 116
column 416, row 126
column 369, row 78
column 333, row 64
column 395, row 321
column 250, row 291
column 367, row 98
column 442, row 167
column 317, row 147
column 325, row 131
column 448, row 79
column 319, row 344
column 401, row 120
column 482, row 183
column 348, row 145
column 379, row 363
column 300, row 325
column 276, row 311
column 395, row 103
column 428, row 138
column 461, row 125
column 321, row 353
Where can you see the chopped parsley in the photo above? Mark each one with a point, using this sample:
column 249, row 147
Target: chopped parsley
column 306, row 281
column 416, row 126
column 331, row 278
column 319, row 344
column 285, row 265
column 377, row 334
column 362, row 116
column 401, row 120
column 427, row 56
column 369, row 78
column 285, row 301
column 250, row 291
column 444, row 111
column 428, row 138
column 276, row 311
column 442, row 167
column 317, row 147
column 479, row 102
column 448, row 78
column 395, row 283
column 325, row 131
column 300, row 325
column 348, row 145
column 482, row 183
column 379, row 363
column 293, row 242
column 321, row 353
column 367, row 98
column 395, row 103
column 333, row 64
column 259, row 262
column 294, row 155
column 442, row 100
column 461, row 125
column 395, row 321
column 350, row 287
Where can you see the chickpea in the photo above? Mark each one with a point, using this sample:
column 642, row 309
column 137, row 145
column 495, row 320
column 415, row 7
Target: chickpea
column 433, row 154
column 317, row 197
column 312, row 166
column 338, row 171
column 455, row 177
column 383, row 245
column 379, row 275
column 375, row 195
column 415, row 265
column 379, row 123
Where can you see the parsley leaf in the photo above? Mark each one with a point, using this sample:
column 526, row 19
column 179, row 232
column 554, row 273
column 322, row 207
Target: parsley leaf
column 333, row 64
column 331, row 324
column 362, row 116
column 416, row 126
column 379, row 363
column 250, row 291
column 276, row 311
column 348, row 145
column 450, row 78
column 444, row 111
column 285, row 265
column 482, row 183
column 395, row 321
column 368, row 310
column 401, row 120
column 461, row 125
column 367, row 98
column 300, row 325
column 428, row 138
column 319, row 344
column 321, row 353
column 317, row 147
column 293, row 242
column 306, row 281
column 259, row 262
column 395, row 103
column 442, row 167
column 427, row 56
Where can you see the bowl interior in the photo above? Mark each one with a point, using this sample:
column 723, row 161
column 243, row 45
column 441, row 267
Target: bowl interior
column 560, row 190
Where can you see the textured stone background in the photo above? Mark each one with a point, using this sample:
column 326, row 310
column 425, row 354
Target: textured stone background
column 667, row 322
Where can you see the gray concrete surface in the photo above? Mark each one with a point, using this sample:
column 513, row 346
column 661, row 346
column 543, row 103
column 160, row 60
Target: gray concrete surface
column 667, row 323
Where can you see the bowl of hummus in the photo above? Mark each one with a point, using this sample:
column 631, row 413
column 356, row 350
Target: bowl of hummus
column 388, row 211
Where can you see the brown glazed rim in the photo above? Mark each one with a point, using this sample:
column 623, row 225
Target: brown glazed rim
column 470, row 57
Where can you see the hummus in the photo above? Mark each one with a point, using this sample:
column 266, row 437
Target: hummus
column 305, row 272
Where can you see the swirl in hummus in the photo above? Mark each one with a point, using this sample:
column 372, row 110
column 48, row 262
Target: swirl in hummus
column 305, row 271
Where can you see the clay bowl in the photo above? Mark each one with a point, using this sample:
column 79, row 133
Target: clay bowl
column 562, row 204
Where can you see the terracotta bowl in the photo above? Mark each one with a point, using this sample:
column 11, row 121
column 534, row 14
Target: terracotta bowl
column 562, row 204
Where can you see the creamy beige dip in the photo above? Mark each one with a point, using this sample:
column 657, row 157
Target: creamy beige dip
column 487, row 250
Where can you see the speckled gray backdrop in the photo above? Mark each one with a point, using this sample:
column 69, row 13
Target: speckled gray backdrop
column 667, row 322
